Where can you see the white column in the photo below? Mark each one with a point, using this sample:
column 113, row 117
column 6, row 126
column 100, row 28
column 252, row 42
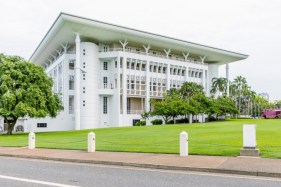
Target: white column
column 124, row 83
column 168, row 76
column 227, row 77
column 186, row 73
column 118, row 91
column 147, row 91
column 190, row 118
column 204, row 81
column 77, row 83
column 212, row 72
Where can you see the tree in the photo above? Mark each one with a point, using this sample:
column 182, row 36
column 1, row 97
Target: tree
column 225, row 106
column 25, row 91
column 219, row 84
column 169, row 108
column 9, row 58
column 189, row 89
column 203, row 105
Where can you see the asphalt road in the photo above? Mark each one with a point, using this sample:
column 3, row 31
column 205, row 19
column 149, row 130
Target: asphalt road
column 15, row 172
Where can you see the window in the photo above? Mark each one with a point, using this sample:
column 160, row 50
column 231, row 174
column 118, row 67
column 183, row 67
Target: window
column 71, row 82
column 84, row 89
column 39, row 125
column 104, row 82
column 105, row 48
column 115, row 64
column 105, row 105
column 133, row 65
column 154, row 86
column 135, row 121
column 71, row 104
column 71, row 64
column 84, row 103
column 164, row 69
column 154, row 53
column 138, row 51
column 84, row 65
column 132, row 84
column 105, row 66
column 84, row 52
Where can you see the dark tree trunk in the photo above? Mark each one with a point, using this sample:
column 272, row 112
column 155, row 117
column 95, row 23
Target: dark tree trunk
column 11, row 124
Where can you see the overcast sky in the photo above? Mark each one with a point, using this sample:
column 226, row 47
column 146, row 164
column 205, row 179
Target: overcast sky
column 251, row 27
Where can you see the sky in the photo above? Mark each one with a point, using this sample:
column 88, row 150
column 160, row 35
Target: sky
column 251, row 27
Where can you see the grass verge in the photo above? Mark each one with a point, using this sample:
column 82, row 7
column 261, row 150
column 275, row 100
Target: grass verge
column 222, row 138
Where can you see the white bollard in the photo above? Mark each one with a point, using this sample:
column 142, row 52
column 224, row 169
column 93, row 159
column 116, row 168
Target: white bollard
column 249, row 136
column 183, row 144
column 31, row 141
column 91, row 142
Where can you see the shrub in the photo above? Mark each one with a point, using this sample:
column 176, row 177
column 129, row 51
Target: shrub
column 212, row 118
column 157, row 122
column 170, row 122
column 140, row 123
column 183, row 120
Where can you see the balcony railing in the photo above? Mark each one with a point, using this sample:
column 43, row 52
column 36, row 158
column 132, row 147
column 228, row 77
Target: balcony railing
column 135, row 112
column 151, row 54
column 106, row 86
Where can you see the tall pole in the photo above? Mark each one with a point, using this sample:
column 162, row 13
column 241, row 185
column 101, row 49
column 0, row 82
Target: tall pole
column 77, row 83
column 227, row 77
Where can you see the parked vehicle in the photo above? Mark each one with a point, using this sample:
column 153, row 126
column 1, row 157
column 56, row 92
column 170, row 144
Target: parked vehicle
column 271, row 113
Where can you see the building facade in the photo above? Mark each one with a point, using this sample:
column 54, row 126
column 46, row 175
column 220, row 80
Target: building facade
column 106, row 74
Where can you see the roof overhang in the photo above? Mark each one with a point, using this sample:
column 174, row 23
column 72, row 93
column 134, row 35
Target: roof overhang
column 65, row 26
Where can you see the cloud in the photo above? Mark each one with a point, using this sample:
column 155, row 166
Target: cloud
column 252, row 27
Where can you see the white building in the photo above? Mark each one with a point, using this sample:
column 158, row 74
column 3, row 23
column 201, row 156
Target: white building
column 106, row 74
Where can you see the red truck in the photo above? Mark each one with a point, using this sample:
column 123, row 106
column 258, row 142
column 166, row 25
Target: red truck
column 271, row 113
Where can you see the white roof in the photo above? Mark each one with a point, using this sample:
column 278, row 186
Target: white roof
column 65, row 26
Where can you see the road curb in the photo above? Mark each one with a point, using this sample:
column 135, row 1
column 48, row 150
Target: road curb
column 150, row 166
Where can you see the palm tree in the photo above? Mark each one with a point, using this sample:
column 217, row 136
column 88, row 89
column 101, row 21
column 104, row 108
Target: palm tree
column 219, row 84
column 240, row 84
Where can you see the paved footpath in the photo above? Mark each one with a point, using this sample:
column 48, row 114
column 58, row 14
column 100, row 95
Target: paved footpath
column 216, row 164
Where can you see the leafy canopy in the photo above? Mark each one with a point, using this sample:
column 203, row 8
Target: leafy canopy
column 26, row 90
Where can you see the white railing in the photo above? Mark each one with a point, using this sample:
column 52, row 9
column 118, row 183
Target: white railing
column 155, row 55
column 135, row 111
column 106, row 86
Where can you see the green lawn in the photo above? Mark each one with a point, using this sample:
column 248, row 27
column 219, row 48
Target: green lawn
column 215, row 138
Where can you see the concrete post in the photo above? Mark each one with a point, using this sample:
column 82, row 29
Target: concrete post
column 91, row 142
column 31, row 140
column 249, row 141
column 249, row 136
column 183, row 144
